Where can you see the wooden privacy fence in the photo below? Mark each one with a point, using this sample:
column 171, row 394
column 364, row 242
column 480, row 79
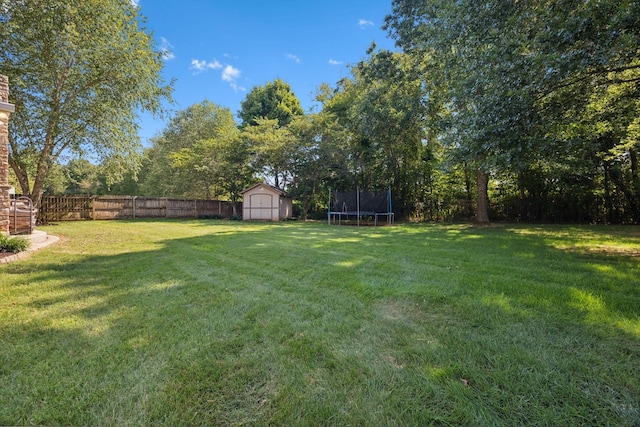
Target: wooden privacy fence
column 78, row 208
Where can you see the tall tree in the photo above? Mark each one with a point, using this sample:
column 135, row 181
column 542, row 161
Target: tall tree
column 221, row 163
column 184, row 159
column 503, row 65
column 235, row 170
column 82, row 177
column 274, row 149
column 389, row 113
column 384, row 106
column 467, row 49
column 80, row 70
column 266, row 112
column 320, row 160
column 275, row 101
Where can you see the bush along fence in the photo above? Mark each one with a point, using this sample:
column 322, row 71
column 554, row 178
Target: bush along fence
column 86, row 207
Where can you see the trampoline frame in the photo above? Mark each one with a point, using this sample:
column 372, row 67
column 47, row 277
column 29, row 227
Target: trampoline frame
column 358, row 214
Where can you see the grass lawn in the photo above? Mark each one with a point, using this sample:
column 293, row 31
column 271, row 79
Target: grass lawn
column 228, row 323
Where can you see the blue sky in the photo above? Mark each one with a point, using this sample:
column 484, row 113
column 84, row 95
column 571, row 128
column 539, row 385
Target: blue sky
column 219, row 50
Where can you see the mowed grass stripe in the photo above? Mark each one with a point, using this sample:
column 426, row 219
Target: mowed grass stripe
column 227, row 323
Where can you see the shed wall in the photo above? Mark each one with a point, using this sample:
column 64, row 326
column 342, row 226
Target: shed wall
column 263, row 204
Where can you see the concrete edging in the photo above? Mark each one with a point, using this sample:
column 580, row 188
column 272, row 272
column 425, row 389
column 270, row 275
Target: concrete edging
column 32, row 248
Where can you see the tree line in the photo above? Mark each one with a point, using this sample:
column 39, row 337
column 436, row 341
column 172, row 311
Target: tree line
column 493, row 110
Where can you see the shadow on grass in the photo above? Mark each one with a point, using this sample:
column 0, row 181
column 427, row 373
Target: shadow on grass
column 310, row 324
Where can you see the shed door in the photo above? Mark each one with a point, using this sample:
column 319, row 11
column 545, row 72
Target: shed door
column 261, row 206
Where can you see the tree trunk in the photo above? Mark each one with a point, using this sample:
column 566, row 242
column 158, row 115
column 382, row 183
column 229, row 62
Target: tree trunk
column 618, row 180
column 45, row 159
column 608, row 204
column 38, row 185
column 633, row 157
column 44, row 163
column 523, row 208
column 468, row 209
column 21, row 174
column 234, row 207
column 635, row 178
column 482, row 214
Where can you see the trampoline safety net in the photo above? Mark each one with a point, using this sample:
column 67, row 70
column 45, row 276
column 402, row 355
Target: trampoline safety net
column 360, row 203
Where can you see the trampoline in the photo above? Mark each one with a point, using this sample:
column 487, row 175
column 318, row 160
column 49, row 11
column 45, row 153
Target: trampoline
column 358, row 205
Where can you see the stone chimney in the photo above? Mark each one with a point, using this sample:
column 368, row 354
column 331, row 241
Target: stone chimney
column 5, row 110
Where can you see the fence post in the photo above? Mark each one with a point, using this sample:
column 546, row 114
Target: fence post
column 92, row 200
column 133, row 207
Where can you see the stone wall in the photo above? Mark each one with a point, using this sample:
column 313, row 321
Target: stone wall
column 5, row 198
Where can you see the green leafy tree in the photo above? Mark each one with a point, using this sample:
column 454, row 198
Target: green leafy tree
column 466, row 50
column 274, row 149
column 384, row 107
column 80, row 71
column 275, row 100
column 320, row 162
column 266, row 113
column 81, row 177
column 179, row 162
column 221, row 163
column 56, row 180
column 389, row 113
column 129, row 185
column 234, row 169
column 509, row 71
column 603, row 145
column 350, row 165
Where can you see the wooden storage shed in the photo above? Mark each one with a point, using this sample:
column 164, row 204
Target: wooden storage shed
column 265, row 202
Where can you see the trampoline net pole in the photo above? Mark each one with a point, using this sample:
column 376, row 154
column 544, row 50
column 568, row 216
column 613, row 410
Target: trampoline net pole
column 389, row 212
column 329, row 209
column 358, row 203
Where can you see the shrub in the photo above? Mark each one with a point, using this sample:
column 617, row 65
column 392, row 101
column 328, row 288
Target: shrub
column 13, row 245
column 235, row 217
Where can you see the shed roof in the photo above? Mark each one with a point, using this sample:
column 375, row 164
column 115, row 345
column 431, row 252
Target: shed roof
column 270, row 187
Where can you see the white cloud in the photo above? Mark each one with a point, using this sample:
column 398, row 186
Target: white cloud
column 230, row 74
column 166, row 49
column 135, row 3
column 201, row 65
column 334, row 62
column 293, row 57
column 198, row 65
column 364, row 23
column 237, row 88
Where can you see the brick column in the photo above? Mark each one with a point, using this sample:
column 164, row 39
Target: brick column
column 5, row 198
